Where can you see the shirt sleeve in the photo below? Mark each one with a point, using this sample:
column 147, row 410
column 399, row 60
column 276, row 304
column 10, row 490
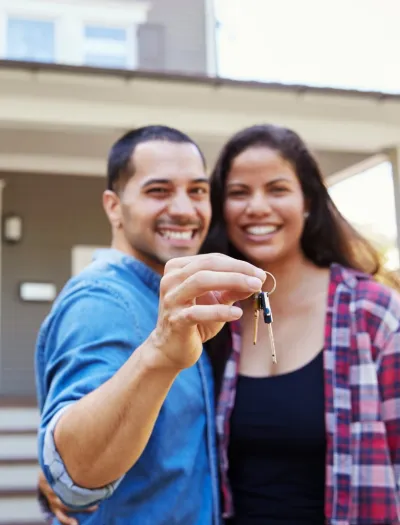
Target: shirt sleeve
column 91, row 335
column 388, row 342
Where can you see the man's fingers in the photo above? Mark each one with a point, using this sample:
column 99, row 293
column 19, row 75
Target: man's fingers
column 64, row 519
column 56, row 503
column 230, row 297
column 91, row 509
column 209, row 281
column 222, row 263
column 204, row 314
column 180, row 262
column 210, row 263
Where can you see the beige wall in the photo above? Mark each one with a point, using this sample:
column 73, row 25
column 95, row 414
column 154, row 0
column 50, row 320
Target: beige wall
column 58, row 213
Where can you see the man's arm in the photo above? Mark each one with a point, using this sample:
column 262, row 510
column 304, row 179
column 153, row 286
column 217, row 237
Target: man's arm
column 102, row 435
column 91, row 335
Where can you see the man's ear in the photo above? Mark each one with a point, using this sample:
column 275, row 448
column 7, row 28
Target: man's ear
column 112, row 207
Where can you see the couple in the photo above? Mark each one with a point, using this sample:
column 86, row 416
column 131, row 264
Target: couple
column 141, row 347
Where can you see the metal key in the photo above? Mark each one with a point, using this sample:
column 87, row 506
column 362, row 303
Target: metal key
column 261, row 302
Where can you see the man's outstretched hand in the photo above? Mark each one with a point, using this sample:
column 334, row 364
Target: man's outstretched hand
column 196, row 299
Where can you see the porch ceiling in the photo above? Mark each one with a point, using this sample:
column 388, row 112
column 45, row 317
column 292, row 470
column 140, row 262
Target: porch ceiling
column 85, row 153
column 67, row 117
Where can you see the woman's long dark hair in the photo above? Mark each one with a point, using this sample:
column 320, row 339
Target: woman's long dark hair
column 327, row 237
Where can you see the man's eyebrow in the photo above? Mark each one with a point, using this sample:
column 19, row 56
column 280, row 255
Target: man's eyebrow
column 202, row 180
column 156, row 181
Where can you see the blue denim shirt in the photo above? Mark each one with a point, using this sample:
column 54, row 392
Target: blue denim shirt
column 97, row 321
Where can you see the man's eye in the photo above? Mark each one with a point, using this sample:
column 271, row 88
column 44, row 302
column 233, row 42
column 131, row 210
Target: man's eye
column 157, row 191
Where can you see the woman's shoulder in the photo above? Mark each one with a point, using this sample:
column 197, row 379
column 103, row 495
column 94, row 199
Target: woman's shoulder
column 376, row 300
column 367, row 286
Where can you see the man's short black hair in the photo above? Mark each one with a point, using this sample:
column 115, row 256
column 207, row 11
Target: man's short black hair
column 120, row 167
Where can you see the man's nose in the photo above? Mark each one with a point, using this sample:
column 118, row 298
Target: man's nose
column 182, row 204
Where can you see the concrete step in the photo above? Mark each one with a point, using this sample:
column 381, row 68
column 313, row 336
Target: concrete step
column 19, row 419
column 20, row 510
column 18, row 477
column 18, row 465
column 18, row 447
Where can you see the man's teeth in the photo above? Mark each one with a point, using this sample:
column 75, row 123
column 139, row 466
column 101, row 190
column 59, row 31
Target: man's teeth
column 261, row 230
column 169, row 234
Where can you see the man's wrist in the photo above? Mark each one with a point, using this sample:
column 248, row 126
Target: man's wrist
column 155, row 358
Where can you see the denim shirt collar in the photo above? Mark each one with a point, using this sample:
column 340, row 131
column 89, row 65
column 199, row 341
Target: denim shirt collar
column 131, row 264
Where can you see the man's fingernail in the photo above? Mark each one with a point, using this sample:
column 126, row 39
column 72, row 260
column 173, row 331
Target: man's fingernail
column 236, row 312
column 261, row 274
column 254, row 283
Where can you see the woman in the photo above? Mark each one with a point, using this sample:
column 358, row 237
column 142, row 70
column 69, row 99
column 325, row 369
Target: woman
column 314, row 438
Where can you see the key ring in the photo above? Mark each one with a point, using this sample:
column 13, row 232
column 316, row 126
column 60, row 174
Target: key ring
column 274, row 285
column 261, row 303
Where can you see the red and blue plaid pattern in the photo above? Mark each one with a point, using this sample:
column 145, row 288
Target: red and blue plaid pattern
column 362, row 402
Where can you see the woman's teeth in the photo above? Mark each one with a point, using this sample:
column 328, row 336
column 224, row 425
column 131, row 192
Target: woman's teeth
column 261, row 230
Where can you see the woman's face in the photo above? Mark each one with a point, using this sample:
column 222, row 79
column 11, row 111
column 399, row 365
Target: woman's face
column 264, row 206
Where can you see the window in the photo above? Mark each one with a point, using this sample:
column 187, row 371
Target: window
column 73, row 32
column 30, row 40
column 373, row 186
column 106, row 47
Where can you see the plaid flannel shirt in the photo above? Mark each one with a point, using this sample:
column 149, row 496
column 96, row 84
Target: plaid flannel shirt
column 362, row 402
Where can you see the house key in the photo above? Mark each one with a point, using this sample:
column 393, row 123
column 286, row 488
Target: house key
column 261, row 303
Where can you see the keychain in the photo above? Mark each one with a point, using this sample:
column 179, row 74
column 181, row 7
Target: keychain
column 261, row 303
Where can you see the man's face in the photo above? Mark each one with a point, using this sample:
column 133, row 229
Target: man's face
column 164, row 209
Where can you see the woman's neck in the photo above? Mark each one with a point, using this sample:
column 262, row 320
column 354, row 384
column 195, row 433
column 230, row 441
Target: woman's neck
column 296, row 279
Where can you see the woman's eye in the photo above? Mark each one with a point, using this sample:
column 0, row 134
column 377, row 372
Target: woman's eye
column 279, row 189
column 237, row 193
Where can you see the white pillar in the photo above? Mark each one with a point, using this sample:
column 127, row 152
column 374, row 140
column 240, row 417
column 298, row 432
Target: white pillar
column 394, row 157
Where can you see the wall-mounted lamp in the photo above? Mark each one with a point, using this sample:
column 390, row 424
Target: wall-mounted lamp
column 12, row 228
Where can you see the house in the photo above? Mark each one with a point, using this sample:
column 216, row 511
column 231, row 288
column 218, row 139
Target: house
column 74, row 75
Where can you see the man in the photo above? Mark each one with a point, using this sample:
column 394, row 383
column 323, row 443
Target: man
column 124, row 387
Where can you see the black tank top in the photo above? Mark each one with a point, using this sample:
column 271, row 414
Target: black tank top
column 277, row 448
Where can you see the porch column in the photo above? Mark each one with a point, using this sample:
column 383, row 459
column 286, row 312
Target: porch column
column 394, row 157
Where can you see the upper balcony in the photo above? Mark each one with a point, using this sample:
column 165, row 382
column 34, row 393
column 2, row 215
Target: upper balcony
column 156, row 35
column 347, row 45
column 91, row 67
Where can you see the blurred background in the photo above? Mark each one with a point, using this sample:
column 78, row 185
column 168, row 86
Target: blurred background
column 74, row 75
